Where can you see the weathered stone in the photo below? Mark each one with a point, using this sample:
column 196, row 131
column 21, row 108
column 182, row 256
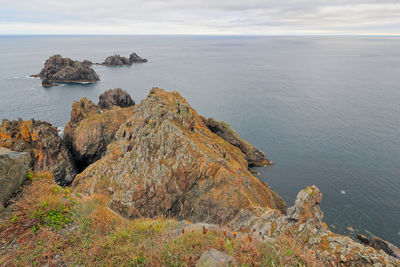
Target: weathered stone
column 307, row 207
column 116, row 60
column 115, row 97
column 215, row 258
column 253, row 156
column 134, row 58
column 13, row 170
column 59, row 69
column 166, row 162
column 42, row 142
column 91, row 129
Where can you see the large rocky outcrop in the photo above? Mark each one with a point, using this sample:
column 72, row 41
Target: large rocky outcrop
column 42, row 142
column 115, row 97
column 303, row 221
column 116, row 60
column 134, row 58
column 13, row 170
column 61, row 70
column 166, row 162
column 91, row 129
column 253, row 156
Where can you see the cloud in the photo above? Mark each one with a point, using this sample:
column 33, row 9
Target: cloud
column 200, row 17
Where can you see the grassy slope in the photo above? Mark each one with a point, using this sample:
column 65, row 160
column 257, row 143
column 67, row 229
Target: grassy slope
column 52, row 225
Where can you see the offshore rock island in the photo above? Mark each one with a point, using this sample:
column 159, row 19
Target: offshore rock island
column 155, row 184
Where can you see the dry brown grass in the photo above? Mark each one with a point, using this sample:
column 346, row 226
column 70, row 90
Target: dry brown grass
column 96, row 236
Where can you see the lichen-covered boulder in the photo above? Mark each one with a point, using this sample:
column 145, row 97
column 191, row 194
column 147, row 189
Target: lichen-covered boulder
column 115, row 97
column 215, row 258
column 41, row 140
column 116, row 60
column 134, row 58
column 59, row 69
column 253, row 156
column 91, row 129
column 166, row 162
column 13, row 170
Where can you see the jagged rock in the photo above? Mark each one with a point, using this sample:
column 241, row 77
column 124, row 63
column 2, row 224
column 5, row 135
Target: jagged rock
column 215, row 258
column 42, row 142
column 115, row 97
column 116, row 60
column 13, row 170
column 91, row 129
column 166, row 162
column 253, row 156
column 303, row 223
column 87, row 62
column 59, row 69
column 307, row 207
column 134, row 58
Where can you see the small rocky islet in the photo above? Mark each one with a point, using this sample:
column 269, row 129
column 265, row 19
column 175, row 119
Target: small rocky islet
column 65, row 70
column 160, row 159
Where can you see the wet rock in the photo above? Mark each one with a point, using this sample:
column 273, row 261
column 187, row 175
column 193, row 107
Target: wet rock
column 59, row 69
column 91, row 129
column 41, row 140
column 116, row 60
column 386, row 246
column 253, row 156
column 215, row 258
column 115, row 97
column 166, row 162
column 134, row 58
column 13, row 170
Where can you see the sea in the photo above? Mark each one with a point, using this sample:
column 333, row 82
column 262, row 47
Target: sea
column 324, row 109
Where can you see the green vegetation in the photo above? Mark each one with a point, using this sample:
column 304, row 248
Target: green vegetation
column 56, row 226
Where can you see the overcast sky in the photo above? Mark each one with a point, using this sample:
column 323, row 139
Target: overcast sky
column 244, row 17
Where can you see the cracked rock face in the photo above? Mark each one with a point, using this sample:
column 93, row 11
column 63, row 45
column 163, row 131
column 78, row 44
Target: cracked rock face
column 253, row 156
column 115, row 97
column 59, row 69
column 166, row 162
column 91, row 129
column 41, row 140
column 13, row 169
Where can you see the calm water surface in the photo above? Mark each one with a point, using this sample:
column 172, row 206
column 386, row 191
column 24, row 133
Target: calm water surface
column 325, row 109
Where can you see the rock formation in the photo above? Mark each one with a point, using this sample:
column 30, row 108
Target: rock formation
column 304, row 222
column 166, row 162
column 134, row 58
column 215, row 258
column 116, row 60
column 115, row 97
column 13, row 170
column 253, row 156
column 61, row 70
column 91, row 129
column 42, row 142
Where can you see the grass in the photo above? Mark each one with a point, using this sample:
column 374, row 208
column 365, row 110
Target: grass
column 52, row 225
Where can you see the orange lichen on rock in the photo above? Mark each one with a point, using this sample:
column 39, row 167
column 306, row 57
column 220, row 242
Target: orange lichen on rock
column 174, row 170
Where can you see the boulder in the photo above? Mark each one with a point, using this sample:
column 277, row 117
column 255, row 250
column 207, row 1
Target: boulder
column 166, row 162
column 13, row 170
column 115, row 97
column 215, row 258
column 59, row 69
column 41, row 140
column 91, row 129
column 253, row 156
column 116, row 60
column 134, row 58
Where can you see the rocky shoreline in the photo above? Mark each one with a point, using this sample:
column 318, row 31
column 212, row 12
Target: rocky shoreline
column 159, row 158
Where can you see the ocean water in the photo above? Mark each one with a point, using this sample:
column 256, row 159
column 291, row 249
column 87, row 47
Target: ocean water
column 326, row 110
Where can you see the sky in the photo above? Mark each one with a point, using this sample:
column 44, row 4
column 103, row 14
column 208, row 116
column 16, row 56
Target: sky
column 219, row 17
